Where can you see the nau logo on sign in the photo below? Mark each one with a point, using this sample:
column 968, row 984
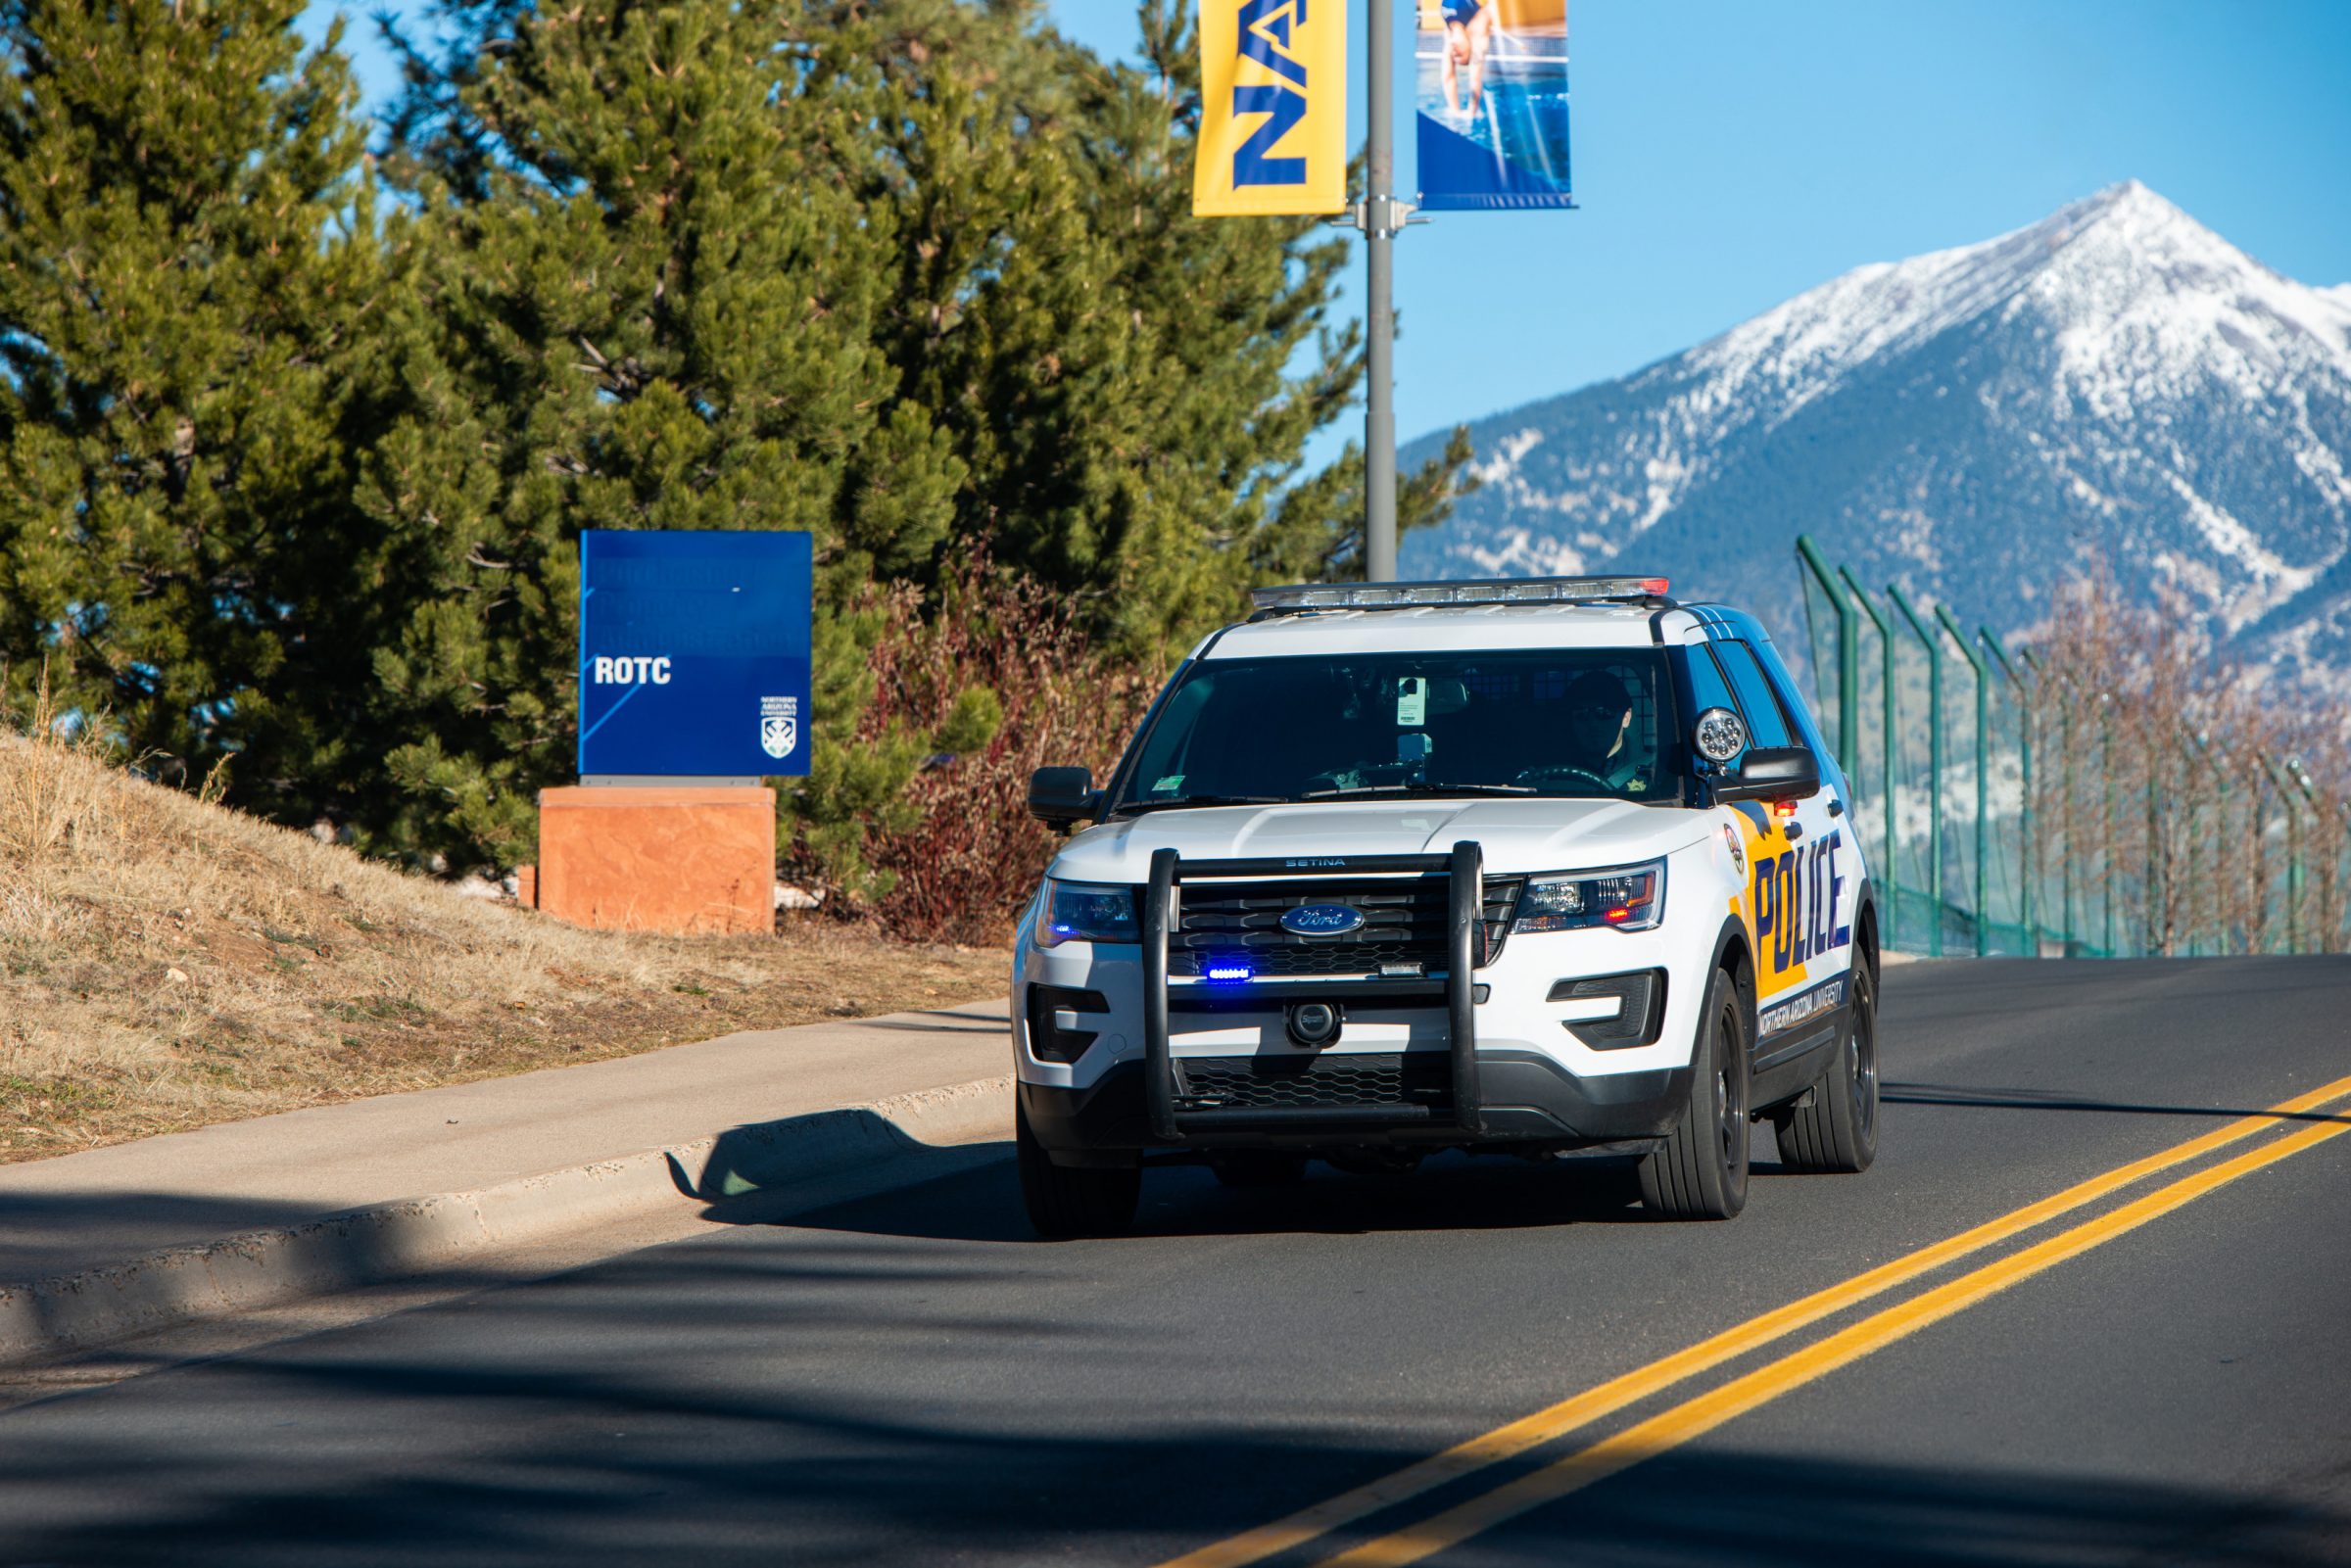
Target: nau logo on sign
column 1321, row 920
column 778, row 726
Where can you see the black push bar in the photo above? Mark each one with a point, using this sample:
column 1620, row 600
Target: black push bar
column 1463, row 870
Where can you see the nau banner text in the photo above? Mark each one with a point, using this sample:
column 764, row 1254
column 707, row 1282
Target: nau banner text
column 1493, row 101
column 1272, row 108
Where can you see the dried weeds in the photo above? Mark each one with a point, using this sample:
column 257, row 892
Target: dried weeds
column 165, row 962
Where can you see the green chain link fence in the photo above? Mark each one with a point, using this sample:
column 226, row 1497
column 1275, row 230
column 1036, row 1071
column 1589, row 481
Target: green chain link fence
column 2004, row 815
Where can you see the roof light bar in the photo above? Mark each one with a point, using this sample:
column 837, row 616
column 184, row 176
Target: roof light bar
column 1491, row 590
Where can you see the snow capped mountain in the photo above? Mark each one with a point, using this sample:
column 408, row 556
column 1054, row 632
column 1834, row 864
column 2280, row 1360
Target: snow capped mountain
column 2115, row 379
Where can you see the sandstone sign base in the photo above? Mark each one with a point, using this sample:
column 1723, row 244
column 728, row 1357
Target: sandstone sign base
column 700, row 860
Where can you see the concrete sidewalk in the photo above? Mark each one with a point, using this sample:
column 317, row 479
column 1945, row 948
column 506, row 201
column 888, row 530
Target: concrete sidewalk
column 561, row 1145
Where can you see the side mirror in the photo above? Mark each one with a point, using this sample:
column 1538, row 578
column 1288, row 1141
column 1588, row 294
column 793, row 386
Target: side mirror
column 1774, row 773
column 1063, row 795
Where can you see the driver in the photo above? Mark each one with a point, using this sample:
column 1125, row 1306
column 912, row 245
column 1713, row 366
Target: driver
column 1599, row 724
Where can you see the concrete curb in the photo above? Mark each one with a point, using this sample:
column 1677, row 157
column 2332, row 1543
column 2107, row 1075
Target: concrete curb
column 385, row 1241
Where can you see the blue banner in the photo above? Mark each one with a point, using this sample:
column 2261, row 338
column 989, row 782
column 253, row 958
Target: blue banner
column 1493, row 105
column 693, row 654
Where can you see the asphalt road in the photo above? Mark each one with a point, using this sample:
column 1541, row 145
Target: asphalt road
column 913, row 1379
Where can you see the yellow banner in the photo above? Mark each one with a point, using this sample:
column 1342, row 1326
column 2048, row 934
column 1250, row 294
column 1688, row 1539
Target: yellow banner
column 1274, row 108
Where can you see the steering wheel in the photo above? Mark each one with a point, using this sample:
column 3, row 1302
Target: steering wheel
column 1565, row 770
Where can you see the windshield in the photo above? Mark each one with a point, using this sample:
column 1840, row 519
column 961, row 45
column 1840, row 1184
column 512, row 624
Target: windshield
column 1548, row 722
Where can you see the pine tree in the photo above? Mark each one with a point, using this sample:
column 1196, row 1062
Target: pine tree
column 920, row 277
column 187, row 272
column 1132, row 387
column 654, row 308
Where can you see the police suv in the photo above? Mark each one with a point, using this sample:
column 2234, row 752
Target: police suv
column 1543, row 867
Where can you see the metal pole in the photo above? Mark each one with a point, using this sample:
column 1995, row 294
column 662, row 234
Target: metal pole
column 2310, row 799
column 1893, row 878
column 2065, row 788
column 2029, row 855
column 1849, row 656
column 1933, row 646
column 2159, row 918
column 2293, row 857
column 1380, row 222
column 2221, row 840
column 2322, row 921
column 2106, row 856
column 1983, row 892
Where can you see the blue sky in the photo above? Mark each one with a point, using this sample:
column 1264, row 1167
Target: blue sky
column 1730, row 154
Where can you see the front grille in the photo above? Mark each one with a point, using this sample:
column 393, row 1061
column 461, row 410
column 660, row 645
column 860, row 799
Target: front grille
column 1303, row 1082
column 1404, row 923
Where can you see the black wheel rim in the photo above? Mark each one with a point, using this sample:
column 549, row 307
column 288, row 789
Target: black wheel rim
column 1730, row 1093
column 1862, row 1064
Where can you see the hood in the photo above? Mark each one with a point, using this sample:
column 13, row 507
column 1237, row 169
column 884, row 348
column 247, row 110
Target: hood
column 1516, row 836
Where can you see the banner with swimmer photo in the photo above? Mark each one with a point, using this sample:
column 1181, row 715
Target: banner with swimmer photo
column 1493, row 102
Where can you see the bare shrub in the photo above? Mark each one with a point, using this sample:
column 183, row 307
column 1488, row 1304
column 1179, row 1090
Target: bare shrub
column 166, row 963
column 2211, row 817
column 973, row 854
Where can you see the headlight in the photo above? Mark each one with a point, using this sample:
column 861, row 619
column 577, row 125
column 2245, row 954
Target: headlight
column 1629, row 898
column 1086, row 912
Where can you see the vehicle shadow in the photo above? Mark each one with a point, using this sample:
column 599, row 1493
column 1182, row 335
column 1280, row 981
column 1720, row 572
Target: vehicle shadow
column 1449, row 1192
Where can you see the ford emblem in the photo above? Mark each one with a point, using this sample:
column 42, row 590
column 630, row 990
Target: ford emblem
column 1321, row 920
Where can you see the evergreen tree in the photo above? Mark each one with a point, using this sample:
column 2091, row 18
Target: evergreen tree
column 917, row 276
column 654, row 308
column 187, row 271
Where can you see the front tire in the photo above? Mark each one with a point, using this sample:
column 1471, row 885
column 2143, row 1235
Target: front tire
column 1064, row 1202
column 1838, row 1132
column 1701, row 1174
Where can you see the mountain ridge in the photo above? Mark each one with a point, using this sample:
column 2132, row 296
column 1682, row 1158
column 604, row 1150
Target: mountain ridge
column 2114, row 381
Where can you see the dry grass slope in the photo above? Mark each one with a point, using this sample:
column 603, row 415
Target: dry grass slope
column 166, row 963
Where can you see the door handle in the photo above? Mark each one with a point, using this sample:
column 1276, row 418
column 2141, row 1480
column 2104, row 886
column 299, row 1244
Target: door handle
column 1792, row 829
column 1836, row 807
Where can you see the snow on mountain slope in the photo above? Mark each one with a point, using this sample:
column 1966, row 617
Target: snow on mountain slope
column 2115, row 379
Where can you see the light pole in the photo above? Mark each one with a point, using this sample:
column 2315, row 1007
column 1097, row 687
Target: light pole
column 1382, row 216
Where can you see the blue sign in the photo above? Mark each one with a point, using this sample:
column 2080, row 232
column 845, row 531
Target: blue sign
column 693, row 654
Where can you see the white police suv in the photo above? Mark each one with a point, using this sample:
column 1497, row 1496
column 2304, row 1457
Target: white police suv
column 1538, row 867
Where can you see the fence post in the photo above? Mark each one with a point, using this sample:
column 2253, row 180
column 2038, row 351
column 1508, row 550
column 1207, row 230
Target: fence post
column 1892, row 710
column 1849, row 656
column 2222, row 839
column 2106, row 846
column 1933, row 644
column 2029, row 862
column 2159, row 908
column 1983, row 888
column 2065, row 792
column 2310, row 798
column 2293, row 857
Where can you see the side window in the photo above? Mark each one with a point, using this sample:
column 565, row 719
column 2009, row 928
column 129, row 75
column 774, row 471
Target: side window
column 1806, row 723
column 1765, row 720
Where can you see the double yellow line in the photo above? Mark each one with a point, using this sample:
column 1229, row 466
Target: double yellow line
column 1703, row 1412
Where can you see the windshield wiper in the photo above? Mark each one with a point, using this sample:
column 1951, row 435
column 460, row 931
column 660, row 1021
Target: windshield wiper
column 1200, row 800
column 1423, row 791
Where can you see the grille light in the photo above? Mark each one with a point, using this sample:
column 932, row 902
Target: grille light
column 1489, row 590
column 1227, row 971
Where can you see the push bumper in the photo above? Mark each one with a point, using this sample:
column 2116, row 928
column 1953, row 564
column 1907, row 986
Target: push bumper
column 1529, row 1101
column 1488, row 1097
